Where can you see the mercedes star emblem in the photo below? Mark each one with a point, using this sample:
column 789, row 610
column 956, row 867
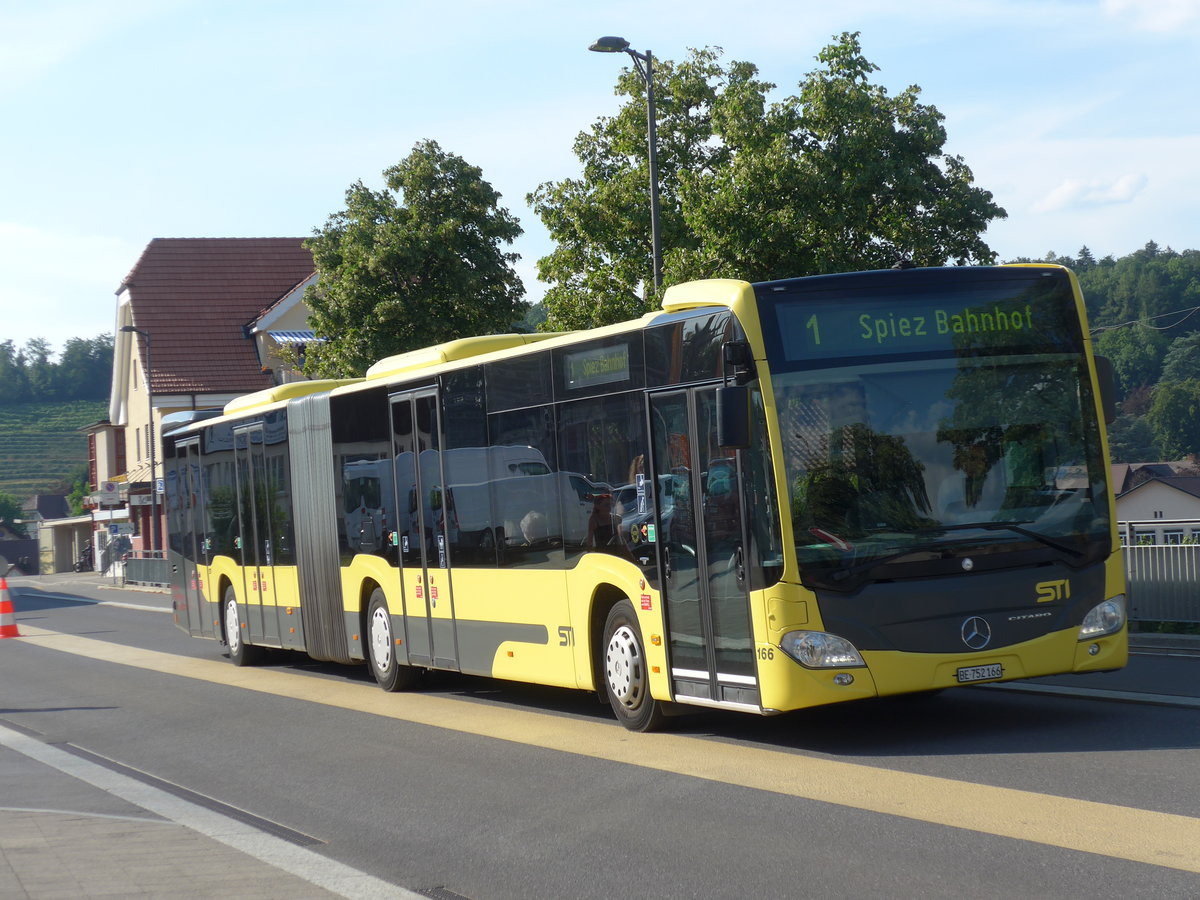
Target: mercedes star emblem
column 976, row 633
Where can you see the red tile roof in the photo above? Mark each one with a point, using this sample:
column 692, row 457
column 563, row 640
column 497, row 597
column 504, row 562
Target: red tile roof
column 193, row 295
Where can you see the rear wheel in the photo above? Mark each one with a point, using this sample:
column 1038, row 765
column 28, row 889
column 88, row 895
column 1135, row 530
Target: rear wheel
column 381, row 645
column 626, row 672
column 240, row 652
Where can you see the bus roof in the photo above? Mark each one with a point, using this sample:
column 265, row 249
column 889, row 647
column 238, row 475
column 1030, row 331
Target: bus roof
column 451, row 351
column 282, row 392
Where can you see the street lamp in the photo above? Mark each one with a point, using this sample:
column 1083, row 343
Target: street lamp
column 620, row 45
column 149, row 437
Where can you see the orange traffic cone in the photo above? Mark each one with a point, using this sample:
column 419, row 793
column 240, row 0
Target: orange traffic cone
column 8, row 622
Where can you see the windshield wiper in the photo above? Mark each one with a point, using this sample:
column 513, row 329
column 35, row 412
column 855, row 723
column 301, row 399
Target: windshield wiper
column 1014, row 526
column 846, row 571
column 841, row 574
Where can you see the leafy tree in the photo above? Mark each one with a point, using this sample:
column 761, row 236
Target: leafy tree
column 1136, row 355
column 10, row 511
column 1175, row 418
column 1137, row 402
column 76, row 486
column 14, row 381
column 841, row 176
column 84, row 369
column 412, row 265
column 1182, row 359
column 533, row 318
column 82, row 372
column 39, row 369
column 1156, row 286
column 1131, row 439
column 601, row 221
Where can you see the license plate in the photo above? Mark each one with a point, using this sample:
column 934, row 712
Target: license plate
column 979, row 673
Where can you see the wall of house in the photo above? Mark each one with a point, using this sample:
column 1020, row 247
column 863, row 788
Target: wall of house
column 1158, row 511
column 107, row 468
column 137, row 450
column 292, row 319
column 1155, row 500
column 137, row 447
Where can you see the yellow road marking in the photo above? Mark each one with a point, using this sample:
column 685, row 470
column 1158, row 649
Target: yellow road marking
column 1121, row 832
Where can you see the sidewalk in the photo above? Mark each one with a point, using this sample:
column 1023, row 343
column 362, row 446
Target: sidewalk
column 75, row 826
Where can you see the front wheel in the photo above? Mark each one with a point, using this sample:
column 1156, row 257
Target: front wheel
column 626, row 672
column 240, row 652
column 391, row 675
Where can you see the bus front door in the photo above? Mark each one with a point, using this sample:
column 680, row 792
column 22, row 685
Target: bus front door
column 702, row 542
column 256, row 496
column 428, row 602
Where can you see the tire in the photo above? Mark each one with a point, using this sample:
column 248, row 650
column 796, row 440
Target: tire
column 381, row 648
column 626, row 672
column 241, row 653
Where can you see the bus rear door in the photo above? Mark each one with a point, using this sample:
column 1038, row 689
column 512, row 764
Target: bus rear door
column 188, row 550
column 256, row 496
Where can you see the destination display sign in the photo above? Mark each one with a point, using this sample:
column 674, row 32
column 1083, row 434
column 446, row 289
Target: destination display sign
column 952, row 319
column 601, row 365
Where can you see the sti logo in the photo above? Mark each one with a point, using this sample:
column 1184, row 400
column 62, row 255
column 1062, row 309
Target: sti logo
column 1049, row 591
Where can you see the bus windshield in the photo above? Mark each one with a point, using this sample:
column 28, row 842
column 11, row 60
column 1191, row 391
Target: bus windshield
column 910, row 462
column 908, row 455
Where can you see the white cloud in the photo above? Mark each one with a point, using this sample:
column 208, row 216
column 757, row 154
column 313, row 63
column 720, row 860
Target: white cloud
column 1066, row 192
column 1077, row 193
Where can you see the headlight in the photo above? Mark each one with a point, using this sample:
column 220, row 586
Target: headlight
column 1107, row 618
column 818, row 650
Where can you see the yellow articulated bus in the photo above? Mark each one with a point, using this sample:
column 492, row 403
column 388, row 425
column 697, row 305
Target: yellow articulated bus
column 762, row 498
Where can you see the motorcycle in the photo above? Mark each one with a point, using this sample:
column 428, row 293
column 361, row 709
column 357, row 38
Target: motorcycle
column 84, row 562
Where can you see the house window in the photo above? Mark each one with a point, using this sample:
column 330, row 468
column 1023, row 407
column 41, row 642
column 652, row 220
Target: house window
column 1144, row 537
column 137, row 436
column 1173, row 537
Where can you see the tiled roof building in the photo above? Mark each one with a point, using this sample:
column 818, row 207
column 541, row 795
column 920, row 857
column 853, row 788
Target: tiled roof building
column 195, row 295
column 205, row 311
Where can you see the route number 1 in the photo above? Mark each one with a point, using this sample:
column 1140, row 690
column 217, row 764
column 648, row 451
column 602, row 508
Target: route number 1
column 812, row 323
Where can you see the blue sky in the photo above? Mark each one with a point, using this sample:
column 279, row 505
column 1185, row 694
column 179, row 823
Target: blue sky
column 126, row 120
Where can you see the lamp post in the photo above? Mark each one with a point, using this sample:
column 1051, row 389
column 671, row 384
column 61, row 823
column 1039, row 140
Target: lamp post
column 620, row 45
column 149, row 437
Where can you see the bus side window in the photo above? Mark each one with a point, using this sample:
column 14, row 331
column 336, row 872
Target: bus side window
column 525, row 485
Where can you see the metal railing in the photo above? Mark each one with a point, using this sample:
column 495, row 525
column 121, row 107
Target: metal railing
column 1163, row 582
column 147, row 567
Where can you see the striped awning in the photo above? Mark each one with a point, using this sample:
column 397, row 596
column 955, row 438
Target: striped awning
column 294, row 337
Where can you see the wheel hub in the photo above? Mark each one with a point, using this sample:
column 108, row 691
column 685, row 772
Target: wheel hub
column 623, row 667
column 233, row 627
column 381, row 640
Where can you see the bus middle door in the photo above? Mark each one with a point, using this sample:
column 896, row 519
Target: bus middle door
column 429, row 625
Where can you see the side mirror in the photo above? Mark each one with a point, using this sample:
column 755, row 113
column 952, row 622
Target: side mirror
column 739, row 361
column 1106, row 376
column 733, row 417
